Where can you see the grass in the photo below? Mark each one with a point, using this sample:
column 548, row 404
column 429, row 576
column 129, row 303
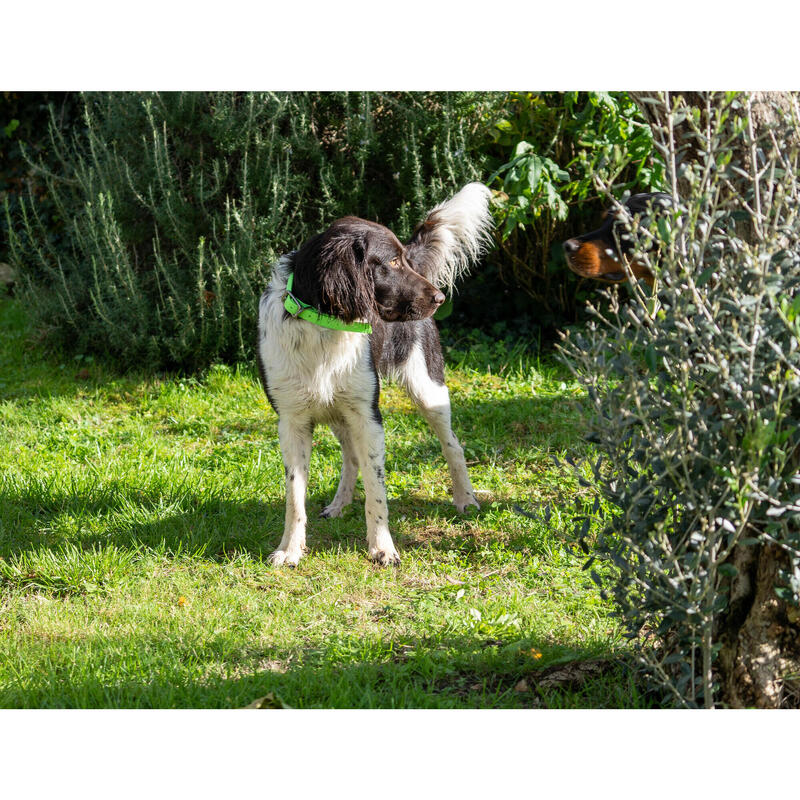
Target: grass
column 137, row 513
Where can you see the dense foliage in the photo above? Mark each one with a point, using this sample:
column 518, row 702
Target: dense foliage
column 695, row 391
column 150, row 220
column 175, row 205
column 24, row 118
column 557, row 150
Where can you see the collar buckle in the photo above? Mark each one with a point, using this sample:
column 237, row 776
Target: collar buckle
column 299, row 306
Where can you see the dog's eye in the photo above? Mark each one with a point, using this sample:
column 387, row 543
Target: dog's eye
column 395, row 263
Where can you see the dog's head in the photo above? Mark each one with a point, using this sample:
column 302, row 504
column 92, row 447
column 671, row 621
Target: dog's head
column 599, row 254
column 359, row 270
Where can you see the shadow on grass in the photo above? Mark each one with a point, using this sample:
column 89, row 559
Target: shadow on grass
column 116, row 514
column 497, row 430
column 222, row 672
column 226, row 671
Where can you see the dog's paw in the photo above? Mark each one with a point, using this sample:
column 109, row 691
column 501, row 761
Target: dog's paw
column 465, row 502
column 286, row 558
column 332, row 511
column 385, row 556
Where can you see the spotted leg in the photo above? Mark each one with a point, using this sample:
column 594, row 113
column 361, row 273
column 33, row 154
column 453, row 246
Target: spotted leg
column 347, row 481
column 366, row 435
column 433, row 401
column 295, row 439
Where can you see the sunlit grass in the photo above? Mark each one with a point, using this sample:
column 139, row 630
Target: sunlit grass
column 137, row 512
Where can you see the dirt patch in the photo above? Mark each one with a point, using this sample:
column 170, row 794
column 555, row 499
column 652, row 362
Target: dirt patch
column 570, row 676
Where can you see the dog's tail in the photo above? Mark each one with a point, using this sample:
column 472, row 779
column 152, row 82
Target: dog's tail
column 453, row 236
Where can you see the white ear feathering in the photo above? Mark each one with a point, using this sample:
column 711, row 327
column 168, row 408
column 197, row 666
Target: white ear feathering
column 453, row 236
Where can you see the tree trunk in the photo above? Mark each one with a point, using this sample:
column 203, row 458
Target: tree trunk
column 759, row 661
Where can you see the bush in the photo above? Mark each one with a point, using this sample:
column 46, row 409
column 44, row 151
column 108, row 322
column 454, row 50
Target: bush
column 695, row 391
column 24, row 118
column 155, row 220
column 174, row 207
column 553, row 150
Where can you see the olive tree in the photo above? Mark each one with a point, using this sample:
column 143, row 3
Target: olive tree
column 694, row 391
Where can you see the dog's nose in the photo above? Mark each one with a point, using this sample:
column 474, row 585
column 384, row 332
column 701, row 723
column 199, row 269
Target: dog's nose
column 571, row 246
column 438, row 298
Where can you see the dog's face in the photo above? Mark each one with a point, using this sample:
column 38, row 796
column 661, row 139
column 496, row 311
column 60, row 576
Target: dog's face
column 357, row 270
column 401, row 293
column 600, row 253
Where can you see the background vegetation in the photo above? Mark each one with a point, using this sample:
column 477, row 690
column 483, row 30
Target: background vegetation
column 695, row 395
column 557, row 149
column 24, row 121
column 147, row 223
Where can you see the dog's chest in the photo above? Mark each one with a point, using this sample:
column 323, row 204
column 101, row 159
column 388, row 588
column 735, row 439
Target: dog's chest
column 312, row 369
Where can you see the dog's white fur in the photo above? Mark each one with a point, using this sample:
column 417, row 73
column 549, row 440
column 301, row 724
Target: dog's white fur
column 433, row 402
column 317, row 375
column 464, row 232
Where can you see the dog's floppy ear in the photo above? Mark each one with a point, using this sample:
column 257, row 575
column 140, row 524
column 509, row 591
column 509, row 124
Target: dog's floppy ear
column 330, row 272
column 346, row 285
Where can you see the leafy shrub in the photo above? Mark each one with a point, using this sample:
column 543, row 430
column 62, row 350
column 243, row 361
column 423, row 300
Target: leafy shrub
column 695, row 394
column 155, row 220
column 556, row 147
column 175, row 205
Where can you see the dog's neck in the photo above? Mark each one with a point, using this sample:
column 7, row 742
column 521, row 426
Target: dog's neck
column 303, row 287
column 299, row 309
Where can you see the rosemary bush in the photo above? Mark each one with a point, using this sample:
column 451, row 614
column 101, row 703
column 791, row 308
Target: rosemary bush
column 173, row 206
column 695, row 392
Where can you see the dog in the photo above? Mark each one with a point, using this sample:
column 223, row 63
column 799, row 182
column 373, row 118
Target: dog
column 349, row 306
column 599, row 254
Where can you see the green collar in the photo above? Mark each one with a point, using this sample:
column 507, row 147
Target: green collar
column 297, row 308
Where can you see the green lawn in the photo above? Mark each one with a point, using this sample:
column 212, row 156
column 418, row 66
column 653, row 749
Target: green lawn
column 137, row 513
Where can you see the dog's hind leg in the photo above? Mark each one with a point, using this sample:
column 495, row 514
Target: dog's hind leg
column 366, row 434
column 347, row 481
column 432, row 398
column 295, row 439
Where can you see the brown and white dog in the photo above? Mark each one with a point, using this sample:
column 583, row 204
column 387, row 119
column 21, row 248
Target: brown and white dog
column 359, row 272
column 600, row 253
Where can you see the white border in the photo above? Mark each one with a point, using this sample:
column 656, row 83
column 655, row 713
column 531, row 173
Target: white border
column 397, row 754
column 414, row 45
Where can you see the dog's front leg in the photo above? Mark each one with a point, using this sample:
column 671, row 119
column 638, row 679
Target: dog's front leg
column 367, row 440
column 295, row 437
